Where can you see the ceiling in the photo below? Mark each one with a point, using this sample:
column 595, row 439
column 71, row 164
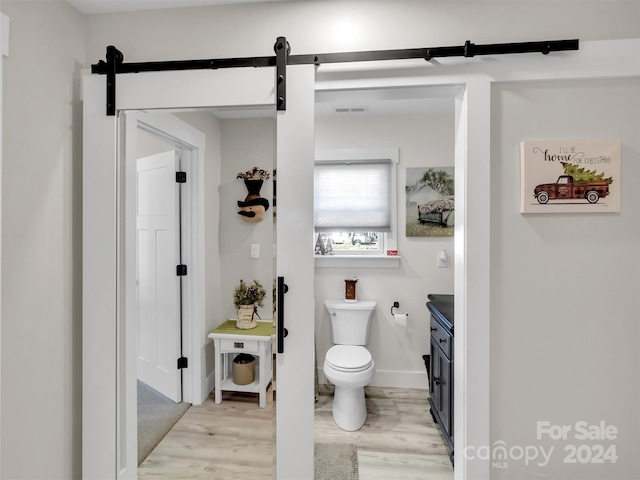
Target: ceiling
column 89, row 7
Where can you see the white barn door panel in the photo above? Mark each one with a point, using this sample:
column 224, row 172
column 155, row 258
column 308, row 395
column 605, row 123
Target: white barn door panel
column 295, row 367
column 106, row 411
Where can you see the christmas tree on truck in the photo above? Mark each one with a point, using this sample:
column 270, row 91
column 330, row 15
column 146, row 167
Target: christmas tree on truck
column 576, row 183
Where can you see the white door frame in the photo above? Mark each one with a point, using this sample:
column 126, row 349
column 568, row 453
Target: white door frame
column 601, row 59
column 191, row 142
column 4, row 52
column 472, row 249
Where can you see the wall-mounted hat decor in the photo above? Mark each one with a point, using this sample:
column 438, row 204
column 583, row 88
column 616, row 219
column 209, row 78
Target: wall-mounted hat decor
column 254, row 206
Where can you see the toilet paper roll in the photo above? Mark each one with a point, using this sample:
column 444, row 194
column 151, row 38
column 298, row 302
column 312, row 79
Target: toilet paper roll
column 400, row 319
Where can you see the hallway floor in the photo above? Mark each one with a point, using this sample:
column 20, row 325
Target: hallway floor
column 235, row 439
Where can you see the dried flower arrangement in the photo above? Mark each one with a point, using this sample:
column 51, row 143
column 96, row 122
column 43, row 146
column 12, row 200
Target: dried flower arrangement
column 245, row 294
column 254, row 174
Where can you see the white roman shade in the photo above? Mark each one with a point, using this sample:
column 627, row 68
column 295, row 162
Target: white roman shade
column 353, row 196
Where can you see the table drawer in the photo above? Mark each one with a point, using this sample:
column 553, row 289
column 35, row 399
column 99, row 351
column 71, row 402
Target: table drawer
column 246, row 346
column 441, row 337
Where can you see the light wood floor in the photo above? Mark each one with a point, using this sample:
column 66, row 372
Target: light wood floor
column 399, row 440
column 235, row 439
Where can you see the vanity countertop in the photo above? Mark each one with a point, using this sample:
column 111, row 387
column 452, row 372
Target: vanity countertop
column 443, row 304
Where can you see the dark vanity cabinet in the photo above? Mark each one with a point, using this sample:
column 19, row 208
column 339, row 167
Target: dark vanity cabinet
column 441, row 364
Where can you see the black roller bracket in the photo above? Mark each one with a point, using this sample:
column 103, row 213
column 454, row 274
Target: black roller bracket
column 114, row 64
column 282, row 49
column 114, row 58
column 468, row 49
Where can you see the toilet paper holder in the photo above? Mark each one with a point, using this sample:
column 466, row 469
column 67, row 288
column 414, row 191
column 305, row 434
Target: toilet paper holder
column 399, row 319
column 395, row 305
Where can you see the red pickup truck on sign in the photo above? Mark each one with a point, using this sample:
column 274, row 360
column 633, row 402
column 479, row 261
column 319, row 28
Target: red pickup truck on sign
column 566, row 188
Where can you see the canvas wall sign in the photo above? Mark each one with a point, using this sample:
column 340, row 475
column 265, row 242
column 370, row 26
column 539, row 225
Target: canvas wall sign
column 560, row 176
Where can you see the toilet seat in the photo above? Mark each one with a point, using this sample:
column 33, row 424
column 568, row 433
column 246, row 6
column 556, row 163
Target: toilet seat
column 349, row 358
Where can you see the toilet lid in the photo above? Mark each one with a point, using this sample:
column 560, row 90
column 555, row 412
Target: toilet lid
column 350, row 358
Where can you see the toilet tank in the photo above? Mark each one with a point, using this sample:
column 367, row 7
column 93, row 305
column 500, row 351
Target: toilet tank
column 350, row 322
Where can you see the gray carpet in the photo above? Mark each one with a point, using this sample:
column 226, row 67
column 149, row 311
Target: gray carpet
column 334, row 461
column 157, row 414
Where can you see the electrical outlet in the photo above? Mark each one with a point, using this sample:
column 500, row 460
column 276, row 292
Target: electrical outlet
column 255, row 250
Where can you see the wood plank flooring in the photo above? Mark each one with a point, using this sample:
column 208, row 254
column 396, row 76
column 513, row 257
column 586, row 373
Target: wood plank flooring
column 235, row 440
column 232, row 440
column 399, row 440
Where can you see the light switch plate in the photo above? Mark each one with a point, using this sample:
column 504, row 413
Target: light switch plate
column 255, row 250
column 443, row 259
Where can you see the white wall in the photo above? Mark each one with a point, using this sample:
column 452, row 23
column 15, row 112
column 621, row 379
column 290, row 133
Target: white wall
column 245, row 143
column 41, row 243
column 319, row 26
column 423, row 141
column 564, row 301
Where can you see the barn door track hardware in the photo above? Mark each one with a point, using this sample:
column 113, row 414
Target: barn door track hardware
column 115, row 65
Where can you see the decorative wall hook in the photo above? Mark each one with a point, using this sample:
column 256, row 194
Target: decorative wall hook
column 253, row 207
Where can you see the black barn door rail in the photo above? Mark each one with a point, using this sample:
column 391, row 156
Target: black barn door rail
column 115, row 60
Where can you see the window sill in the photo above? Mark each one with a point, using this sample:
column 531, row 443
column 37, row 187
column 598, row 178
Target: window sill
column 360, row 261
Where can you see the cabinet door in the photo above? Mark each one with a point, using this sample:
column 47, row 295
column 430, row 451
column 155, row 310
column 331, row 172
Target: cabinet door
column 446, row 390
column 434, row 376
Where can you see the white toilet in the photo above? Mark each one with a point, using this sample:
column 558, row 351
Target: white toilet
column 348, row 364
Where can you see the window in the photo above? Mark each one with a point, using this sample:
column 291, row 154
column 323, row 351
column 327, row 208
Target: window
column 355, row 202
column 350, row 243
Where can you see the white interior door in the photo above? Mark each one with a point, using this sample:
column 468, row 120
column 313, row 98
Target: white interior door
column 295, row 262
column 158, row 286
column 107, row 345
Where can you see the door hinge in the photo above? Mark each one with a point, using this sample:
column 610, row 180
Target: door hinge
column 181, row 177
column 181, row 270
column 183, row 363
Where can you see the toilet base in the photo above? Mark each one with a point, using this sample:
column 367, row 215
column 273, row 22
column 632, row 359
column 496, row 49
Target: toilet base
column 349, row 408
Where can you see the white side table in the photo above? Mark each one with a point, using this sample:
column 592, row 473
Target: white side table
column 229, row 341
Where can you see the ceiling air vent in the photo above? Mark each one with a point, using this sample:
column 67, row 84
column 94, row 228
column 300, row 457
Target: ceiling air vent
column 351, row 109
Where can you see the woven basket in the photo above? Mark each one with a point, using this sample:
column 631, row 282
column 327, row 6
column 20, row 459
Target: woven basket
column 244, row 369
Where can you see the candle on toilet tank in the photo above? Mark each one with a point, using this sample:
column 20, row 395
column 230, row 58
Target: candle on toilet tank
column 350, row 290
